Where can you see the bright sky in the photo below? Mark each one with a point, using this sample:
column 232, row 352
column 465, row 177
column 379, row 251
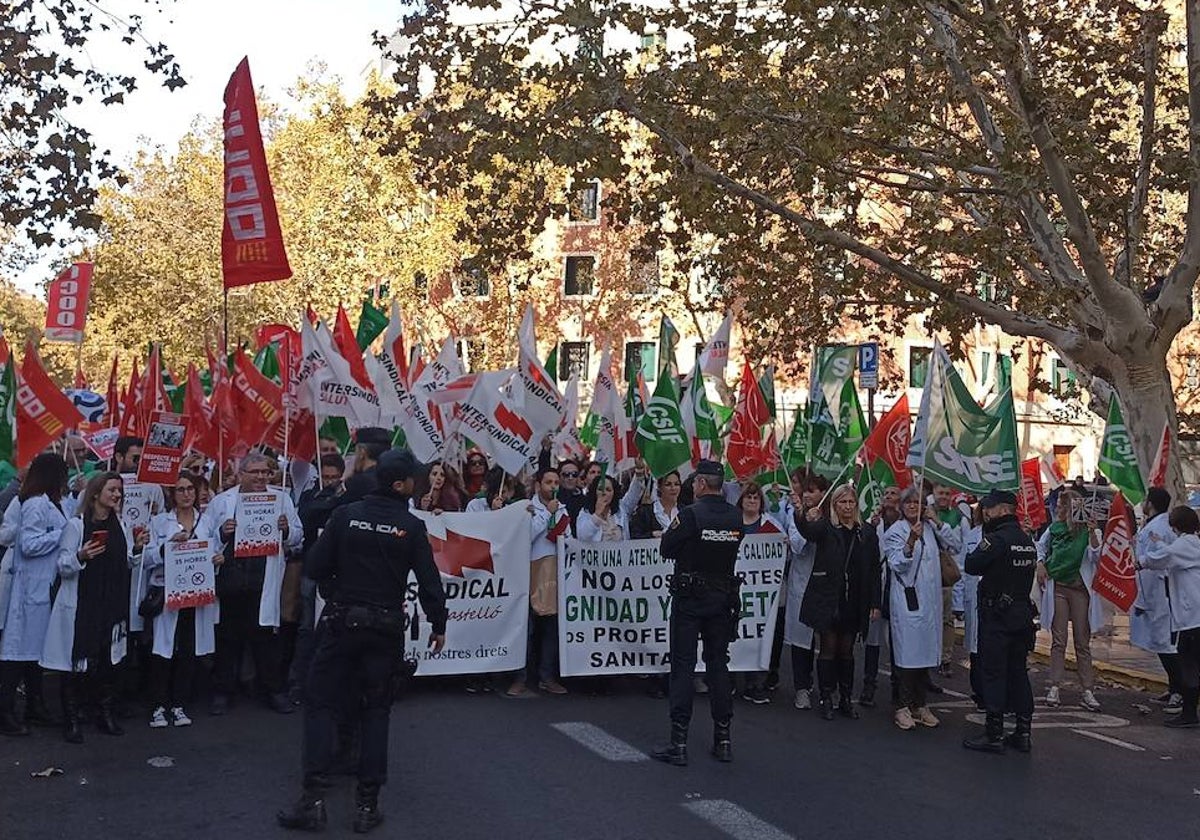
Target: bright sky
column 209, row 38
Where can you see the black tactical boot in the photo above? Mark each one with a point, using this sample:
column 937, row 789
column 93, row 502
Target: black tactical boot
column 367, row 815
column 38, row 713
column 722, row 748
column 308, row 814
column 676, row 751
column 992, row 738
column 1020, row 739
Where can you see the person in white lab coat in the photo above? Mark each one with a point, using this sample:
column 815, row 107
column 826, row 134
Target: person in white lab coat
column 1150, row 618
column 971, row 540
column 1180, row 561
column 915, row 604
column 801, row 554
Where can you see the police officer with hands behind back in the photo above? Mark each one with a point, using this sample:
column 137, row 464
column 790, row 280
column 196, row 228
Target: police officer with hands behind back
column 705, row 604
column 1005, row 561
column 361, row 563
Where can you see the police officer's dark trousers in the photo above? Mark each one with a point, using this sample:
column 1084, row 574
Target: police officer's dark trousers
column 1003, row 648
column 348, row 666
column 700, row 614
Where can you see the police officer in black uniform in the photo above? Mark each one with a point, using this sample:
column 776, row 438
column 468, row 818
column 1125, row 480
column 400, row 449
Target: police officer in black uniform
column 705, row 604
column 361, row 562
column 1005, row 560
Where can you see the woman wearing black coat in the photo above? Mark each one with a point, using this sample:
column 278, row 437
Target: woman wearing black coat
column 842, row 594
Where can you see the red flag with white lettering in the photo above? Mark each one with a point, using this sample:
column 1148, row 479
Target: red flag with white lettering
column 1115, row 577
column 43, row 411
column 67, row 304
column 1031, row 509
column 252, row 248
column 257, row 401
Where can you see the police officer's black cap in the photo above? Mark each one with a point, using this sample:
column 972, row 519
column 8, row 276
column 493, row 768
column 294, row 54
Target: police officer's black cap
column 710, row 468
column 373, row 434
column 998, row 497
column 397, row 465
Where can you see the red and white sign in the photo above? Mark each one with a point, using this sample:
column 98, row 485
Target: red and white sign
column 257, row 532
column 1031, row 510
column 67, row 304
column 189, row 579
column 251, row 240
column 163, row 452
column 1116, row 578
column 103, row 442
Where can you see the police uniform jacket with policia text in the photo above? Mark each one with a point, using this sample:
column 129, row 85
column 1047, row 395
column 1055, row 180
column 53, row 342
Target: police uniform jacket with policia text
column 1005, row 561
column 366, row 551
column 703, row 540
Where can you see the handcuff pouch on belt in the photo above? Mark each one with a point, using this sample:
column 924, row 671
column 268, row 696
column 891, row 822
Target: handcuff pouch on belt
column 377, row 619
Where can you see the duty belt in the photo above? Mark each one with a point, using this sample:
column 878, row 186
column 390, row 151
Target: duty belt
column 998, row 603
column 717, row 583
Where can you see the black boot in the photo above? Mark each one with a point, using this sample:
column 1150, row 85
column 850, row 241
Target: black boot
column 308, row 814
column 1186, row 719
column 826, row 669
column 38, row 713
column 72, row 716
column 722, row 748
column 870, row 676
column 367, row 815
column 10, row 724
column 846, row 688
column 1020, row 739
column 676, row 751
column 992, row 738
column 107, row 720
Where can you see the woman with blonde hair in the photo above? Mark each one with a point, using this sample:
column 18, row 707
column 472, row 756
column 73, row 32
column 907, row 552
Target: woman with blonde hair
column 843, row 592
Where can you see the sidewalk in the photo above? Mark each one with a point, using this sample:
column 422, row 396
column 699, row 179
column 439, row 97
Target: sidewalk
column 1115, row 659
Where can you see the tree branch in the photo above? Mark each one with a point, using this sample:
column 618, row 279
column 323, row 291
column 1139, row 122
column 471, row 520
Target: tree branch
column 1127, row 268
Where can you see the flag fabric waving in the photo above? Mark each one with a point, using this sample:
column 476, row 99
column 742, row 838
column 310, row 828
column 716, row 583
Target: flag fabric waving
column 1118, row 460
column 43, row 413
column 661, row 437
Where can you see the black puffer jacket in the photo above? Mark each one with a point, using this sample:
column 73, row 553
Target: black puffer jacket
column 844, row 586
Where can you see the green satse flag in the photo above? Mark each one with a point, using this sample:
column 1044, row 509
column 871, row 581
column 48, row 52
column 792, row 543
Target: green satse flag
column 8, row 410
column 372, row 323
column 836, row 443
column 1118, row 461
column 873, row 478
column 661, row 438
column 834, row 368
column 794, row 453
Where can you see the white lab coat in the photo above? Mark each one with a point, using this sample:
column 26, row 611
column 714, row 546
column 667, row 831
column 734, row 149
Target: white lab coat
column 1181, row 561
column 34, row 569
column 589, row 529
column 8, row 535
column 971, row 541
column 800, row 565
column 162, row 528
column 56, row 653
column 1097, row 615
column 916, row 635
column 955, row 545
column 633, row 497
column 223, row 507
column 1150, row 618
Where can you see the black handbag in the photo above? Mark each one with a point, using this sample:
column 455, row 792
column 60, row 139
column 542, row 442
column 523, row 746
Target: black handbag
column 153, row 602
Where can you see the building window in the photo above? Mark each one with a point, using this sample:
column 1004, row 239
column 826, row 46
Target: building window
column 1062, row 378
column 1191, row 367
column 473, row 280
column 640, row 356
column 579, row 276
column 985, row 287
column 918, row 366
column 584, row 204
column 643, row 276
column 573, row 357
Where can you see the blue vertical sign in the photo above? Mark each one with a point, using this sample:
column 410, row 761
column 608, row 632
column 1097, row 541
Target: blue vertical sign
column 868, row 365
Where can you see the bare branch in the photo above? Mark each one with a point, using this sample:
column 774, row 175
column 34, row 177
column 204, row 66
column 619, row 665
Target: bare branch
column 1127, row 268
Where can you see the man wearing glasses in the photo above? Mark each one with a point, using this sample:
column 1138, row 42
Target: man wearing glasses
column 571, row 490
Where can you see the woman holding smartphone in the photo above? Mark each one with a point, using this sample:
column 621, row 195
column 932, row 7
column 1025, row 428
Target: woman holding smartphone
column 179, row 635
column 89, row 624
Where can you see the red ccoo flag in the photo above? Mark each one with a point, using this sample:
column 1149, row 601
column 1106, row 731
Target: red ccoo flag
column 43, row 411
column 257, row 401
column 252, row 248
column 1158, row 473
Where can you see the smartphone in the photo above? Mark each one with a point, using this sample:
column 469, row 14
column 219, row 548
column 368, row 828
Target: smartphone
column 100, row 537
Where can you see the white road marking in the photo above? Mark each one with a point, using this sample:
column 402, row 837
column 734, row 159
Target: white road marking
column 1065, row 719
column 1116, row 742
column 954, row 693
column 734, row 820
column 599, row 741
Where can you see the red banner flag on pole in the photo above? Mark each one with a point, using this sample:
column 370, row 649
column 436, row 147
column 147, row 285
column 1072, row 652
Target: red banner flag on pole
column 131, row 412
column 889, row 440
column 257, row 401
column 1031, row 510
column 112, row 398
column 67, row 304
column 1158, row 473
column 43, row 411
column 1115, row 577
column 252, row 248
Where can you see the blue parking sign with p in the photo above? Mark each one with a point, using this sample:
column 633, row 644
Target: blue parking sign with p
column 868, row 365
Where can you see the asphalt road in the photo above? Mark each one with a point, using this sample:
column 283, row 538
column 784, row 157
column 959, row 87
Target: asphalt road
column 468, row 766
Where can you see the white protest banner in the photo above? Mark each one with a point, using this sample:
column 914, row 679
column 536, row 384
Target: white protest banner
column 139, row 502
column 484, row 561
column 189, row 579
column 257, row 533
column 615, row 608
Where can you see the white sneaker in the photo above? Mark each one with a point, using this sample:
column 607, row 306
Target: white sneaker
column 1052, row 696
column 803, row 699
column 179, row 717
column 158, row 720
column 1174, row 704
column 904, row 719
column 1089, row 701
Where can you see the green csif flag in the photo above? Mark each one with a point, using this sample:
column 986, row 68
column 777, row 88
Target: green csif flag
column 1118, row 461
column 372, row 323
column 668, row 340
column 8, row 410
column 835, row 444
column 661, row 437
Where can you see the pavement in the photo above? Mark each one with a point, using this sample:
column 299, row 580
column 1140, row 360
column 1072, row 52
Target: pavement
column 480, row 766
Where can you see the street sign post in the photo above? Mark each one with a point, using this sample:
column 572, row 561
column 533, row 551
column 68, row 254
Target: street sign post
column 868, row 375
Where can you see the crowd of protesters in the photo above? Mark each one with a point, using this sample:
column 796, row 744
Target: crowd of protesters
column 80, row 590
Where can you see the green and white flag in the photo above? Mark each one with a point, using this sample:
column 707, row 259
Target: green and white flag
column 835, row 444
column 372, row 323
column 834, row 367
column 661, row 437
column 956, row 442
column 8, row 411
column 794, row 453
column 668, row 340
column 1118, row 461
